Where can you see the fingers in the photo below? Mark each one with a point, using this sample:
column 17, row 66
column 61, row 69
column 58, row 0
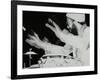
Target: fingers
column 49, row 26
column 56, row 26
column 24, row 28
column 36, row 36
column 29, row 41
column 32, row 43
column 50, row 20
column 31, row 37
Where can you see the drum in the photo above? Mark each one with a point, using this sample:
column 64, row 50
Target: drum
column 57, row 60
column 53, row 60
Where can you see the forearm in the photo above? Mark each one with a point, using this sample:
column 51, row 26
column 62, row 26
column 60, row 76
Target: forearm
column 45, row 45
column 70, row 39
column 36, row 44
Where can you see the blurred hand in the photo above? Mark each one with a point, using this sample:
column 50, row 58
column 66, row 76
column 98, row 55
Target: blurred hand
column 56, row 29
column 34, row 40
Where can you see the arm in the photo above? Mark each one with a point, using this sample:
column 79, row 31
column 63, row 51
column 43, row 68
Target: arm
column 70, row 39
column 53, row 49
column 67, row 38
column 35, row 41
column 55, row 29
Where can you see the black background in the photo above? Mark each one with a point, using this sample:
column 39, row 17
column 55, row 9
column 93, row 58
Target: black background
column 35, row 22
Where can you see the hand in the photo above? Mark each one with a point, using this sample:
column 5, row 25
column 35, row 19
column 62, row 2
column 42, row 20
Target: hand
column 34, row 40
column 55, row 29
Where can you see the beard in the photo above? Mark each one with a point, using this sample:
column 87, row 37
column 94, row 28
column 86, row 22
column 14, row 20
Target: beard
column 73, row 30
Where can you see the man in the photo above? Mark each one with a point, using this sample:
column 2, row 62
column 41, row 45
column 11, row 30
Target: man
column 80, row 41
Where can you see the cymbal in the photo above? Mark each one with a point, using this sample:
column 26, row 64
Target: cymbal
column 54, row 55
column 28, row 53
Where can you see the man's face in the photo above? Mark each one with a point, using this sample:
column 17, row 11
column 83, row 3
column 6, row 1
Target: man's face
column 71, row 26
column 69, row 22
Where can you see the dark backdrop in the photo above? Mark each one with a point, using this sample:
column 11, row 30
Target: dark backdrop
column 35, row 22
